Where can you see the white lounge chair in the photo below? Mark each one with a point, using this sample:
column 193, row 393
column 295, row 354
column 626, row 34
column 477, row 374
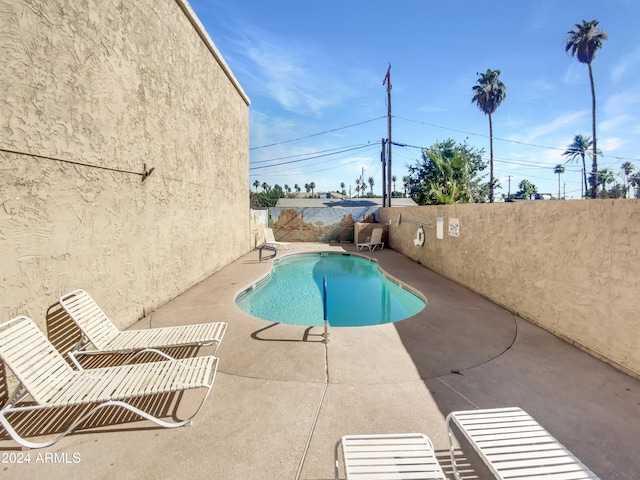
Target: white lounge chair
column 514, row 445
column 49, row 380
column 98, row 331
column 388, row 457
column 271, row 240
column 375, row 241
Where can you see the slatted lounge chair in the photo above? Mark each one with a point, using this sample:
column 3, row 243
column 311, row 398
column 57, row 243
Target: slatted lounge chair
column 374, row 242
column 49, row 380
column 100, row 335
column 389, row 457
column 270, row 239
column 514, row 445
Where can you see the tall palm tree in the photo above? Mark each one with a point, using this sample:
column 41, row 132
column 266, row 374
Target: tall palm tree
column 297, row 188
column 578, row 150
column 372, row 182
column 343, row 191
column 312, row 185
column 559, row 170
column 358, row 186
column 307, row 188
column 256, row 184
column 394, row 179
column 583, row 42
column 627, row 169
column 488, row 94
column 265, row 186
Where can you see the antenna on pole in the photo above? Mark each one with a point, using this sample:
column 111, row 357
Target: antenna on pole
column 387, row 82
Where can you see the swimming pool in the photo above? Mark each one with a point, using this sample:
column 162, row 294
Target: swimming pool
column 358, row 293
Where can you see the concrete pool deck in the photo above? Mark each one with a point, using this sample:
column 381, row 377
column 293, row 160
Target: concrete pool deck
column 282, row 398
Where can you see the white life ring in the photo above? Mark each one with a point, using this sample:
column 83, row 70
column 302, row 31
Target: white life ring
column 419, row 239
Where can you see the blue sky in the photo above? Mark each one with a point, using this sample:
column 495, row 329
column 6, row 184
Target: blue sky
column 311, row 67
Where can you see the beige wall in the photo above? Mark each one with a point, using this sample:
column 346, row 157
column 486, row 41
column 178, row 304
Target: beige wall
column 117, row 85
column 571, row 267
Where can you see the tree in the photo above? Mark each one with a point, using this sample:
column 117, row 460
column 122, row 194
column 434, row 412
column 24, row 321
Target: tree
column 343, row 190
column 447, row 173
column 287, row 189
column 559, row 170
column 256, row 184
column 526, row 189
column 312, row 185
column 307, row 187
column 297, row 188
column 603, row 178
column 372, row 182
column 583, row 42
column 627, row 169
column 406, row 181
column 394, row 179
column 268, row 197
column 488, row 93
column 579, row 149
column 358, row 186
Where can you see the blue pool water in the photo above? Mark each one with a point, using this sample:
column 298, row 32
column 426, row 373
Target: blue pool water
column 357, row 292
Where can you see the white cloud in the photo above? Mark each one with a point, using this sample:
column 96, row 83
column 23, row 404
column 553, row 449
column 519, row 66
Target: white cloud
column 288, row 72
column 620, row 69
column 569, row 119
column 615, row 123
column 610, row 144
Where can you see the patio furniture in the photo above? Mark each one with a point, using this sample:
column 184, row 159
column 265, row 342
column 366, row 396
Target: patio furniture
column 375, row 241
column 270, row 239
column 98, row 331
column 514, row 445
column 45, row 376
column 389, row 457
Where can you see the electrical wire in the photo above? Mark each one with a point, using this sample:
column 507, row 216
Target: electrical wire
column 310, row 158
column 317, row 134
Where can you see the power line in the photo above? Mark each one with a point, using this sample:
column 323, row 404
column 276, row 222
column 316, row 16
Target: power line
column 319, row 133
column 501, row 139
column 311, row 158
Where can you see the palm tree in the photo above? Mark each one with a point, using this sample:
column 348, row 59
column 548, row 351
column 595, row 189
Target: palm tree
column 394, row 179
column 256, row 184
column 358, row 186
column 579, row 149
column 312, row 185
column 372, row 182
column 297, row 188
column 604, row 177
column 406, row 181
column 265, row 186
column 488, row 94
column 584, row 41
column 307, row 188
column 627, row 169
column 343, row 191
column 559, row 169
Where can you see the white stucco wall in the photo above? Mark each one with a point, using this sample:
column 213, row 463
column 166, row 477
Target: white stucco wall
column 570, row 267
column 116, row 85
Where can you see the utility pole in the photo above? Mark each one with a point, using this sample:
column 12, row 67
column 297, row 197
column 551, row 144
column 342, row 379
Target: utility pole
column 509, row 194
column 387, row 81
column 384, row 177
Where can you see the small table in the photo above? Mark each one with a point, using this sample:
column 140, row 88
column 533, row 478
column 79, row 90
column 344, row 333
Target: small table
column 389, row 457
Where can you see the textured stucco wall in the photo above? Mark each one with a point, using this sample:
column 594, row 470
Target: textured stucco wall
column 570, row 267
column 118, row 85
